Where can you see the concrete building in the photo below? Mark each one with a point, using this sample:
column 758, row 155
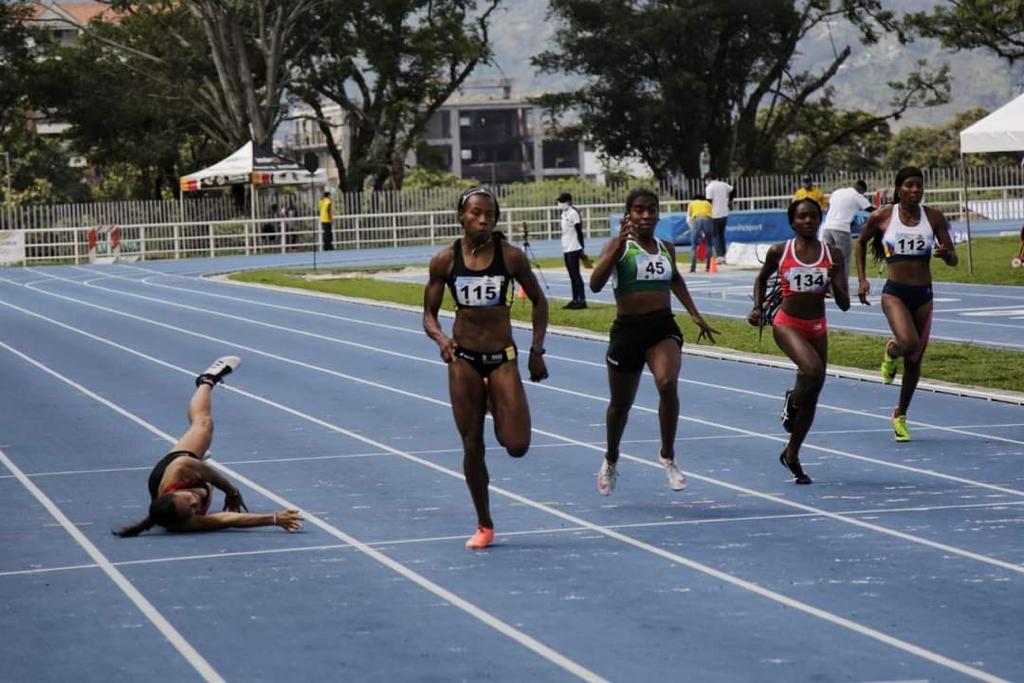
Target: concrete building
column 491, row 138
column 497, row 140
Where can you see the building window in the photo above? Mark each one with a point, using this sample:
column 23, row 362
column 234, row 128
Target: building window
column 561, row 154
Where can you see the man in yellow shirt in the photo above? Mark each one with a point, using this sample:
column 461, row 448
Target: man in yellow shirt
column 327, row 221
column 811, row 191
column 698, row 214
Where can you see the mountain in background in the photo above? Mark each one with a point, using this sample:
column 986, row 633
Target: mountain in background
column 521, row 29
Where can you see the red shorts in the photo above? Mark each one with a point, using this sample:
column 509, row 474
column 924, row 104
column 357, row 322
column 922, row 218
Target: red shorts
column 808, row 329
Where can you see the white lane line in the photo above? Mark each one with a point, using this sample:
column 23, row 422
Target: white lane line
column 527, row 532
column 780, row 364
column 196, row 660
column 263, row 304
column 550, row 387
column 750, row 586
column 146, row 281
column 498, row 625
column 582, row 444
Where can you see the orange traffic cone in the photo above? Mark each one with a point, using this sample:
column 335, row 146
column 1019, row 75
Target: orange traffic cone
column 714, row 265
column 520, row 293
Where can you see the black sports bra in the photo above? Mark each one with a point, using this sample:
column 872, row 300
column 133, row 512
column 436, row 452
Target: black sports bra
column 480, row 288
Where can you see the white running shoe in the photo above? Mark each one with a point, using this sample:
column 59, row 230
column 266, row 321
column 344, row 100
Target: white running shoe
column 606, row 478
column 676, row 479
column 218, row 370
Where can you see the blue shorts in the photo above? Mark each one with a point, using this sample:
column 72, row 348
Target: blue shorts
column 912, row 296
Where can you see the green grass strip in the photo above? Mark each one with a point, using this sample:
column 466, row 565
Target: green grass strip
column 945, row 361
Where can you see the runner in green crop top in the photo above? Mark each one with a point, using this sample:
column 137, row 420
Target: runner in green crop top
column 638, row 271
column 644, row 332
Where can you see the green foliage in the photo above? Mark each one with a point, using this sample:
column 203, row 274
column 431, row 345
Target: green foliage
column 92, row 85
column 938, row 146
column 14, row 57
column 996, row 25
column 824, row 138
column 426, row 179
column 41, row 171
column 662, row 79
column 389, row 66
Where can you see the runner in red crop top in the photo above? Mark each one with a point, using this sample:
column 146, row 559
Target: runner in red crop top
column 181, row 484
column 807, row 269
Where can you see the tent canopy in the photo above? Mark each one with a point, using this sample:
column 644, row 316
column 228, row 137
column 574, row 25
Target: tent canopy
column 1000, row 131
column 251, row 165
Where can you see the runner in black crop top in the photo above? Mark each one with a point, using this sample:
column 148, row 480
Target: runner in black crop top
column 479, row 288
column 481, row 353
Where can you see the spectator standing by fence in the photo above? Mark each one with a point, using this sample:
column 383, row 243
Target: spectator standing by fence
column 846, row 202
column 702, row 229
column 720, row 194
column 811, row 191
column 572, row 249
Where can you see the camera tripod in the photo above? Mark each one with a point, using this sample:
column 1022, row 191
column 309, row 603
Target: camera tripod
column 531, row 256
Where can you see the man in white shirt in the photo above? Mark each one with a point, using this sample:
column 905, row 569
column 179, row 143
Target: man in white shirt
column 572, row 249
column 844, row 204
column 719, row 193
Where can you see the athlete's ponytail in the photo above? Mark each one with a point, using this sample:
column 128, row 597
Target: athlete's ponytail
column 135, row 529
column 162, row 511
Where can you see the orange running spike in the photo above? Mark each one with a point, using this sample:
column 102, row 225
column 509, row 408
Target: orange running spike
column 481, row 539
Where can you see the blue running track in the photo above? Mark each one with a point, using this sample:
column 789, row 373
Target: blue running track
column 901, row 562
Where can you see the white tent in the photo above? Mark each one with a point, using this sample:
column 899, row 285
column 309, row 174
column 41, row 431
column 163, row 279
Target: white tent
column 250, row 165
column 1000, row 131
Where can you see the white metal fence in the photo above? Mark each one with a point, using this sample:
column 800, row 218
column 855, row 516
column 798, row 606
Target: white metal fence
column 213, row 227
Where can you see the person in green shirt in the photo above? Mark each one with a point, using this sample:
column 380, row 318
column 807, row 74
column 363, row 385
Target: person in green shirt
column 645, row 332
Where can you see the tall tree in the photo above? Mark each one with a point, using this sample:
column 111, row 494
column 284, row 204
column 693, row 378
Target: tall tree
column 997, row 25
column 251, row 46
column 389, row 66
column 662, row 79
column 14, row 56
column 159, row 128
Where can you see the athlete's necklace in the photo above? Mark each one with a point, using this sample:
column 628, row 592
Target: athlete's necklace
column 476, row 249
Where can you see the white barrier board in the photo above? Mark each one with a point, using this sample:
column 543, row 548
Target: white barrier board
column 12, row 247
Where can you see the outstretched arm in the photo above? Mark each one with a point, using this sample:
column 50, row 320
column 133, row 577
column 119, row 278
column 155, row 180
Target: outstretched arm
column 290, row 520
